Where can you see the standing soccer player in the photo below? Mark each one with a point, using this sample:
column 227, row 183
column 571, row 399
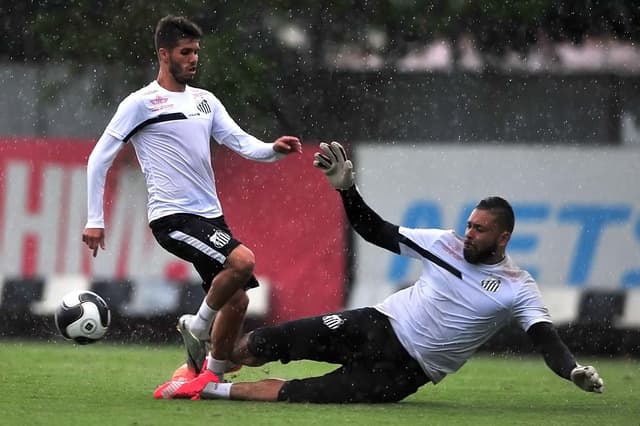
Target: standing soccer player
column 170, row 125
column 468, row 290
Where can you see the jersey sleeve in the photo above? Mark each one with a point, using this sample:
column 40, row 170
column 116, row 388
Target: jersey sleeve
column 528, row 306
column 227, row 132
column 128, row 116
column 423, row 237
column 367, row 223
column 99, row 163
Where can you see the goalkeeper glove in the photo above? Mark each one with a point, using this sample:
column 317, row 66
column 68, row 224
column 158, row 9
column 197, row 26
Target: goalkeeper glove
column 332, row 160
column 587, row 379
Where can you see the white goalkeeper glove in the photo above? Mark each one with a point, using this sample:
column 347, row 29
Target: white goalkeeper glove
column 332, row 160
column 587, row 378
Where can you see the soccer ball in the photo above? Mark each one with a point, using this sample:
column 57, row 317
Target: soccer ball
column 83, row 317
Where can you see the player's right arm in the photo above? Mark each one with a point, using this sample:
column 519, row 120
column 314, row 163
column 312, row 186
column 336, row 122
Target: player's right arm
column 98, row 164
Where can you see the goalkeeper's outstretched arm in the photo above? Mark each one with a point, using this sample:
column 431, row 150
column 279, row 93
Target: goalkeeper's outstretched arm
column 560, row 359
column 367, row 223
column 333, row 161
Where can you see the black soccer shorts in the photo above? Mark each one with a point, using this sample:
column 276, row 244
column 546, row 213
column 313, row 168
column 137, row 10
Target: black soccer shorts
column 374, row 365
column 204, row 242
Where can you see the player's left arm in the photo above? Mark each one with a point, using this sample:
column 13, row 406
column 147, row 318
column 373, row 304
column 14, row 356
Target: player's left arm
column 560, row 360
column 286, row 145
column 227, row 132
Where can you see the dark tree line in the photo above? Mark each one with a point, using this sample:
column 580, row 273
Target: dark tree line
column 246, row 60
column 119, row 30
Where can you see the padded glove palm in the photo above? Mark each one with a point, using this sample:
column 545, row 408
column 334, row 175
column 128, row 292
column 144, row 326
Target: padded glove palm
column 587, row 379
column 332, row 160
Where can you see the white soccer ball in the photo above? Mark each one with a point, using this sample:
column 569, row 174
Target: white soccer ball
column 83, row 317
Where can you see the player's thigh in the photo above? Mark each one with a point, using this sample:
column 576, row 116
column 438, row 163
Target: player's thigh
column 241, row 259
column 355, row 384
column 195, row 239
column 339, row 338
column 206, row 243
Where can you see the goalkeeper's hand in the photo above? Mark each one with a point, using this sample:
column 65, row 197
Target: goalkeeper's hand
column 587, row 378
column 332, row 160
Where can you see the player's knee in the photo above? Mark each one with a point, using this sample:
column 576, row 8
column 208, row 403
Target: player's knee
column 382, row 393
column 269, row 343
column 242, row 261
column 391, row 390
column 242, row 354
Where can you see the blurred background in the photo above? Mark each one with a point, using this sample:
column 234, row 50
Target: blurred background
column 440, row 103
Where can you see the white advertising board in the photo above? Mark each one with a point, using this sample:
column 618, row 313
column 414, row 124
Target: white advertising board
column 577, row 209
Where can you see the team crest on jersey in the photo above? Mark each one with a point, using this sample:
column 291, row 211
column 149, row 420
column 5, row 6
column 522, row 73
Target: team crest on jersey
column 491, row 284
column 333, row 321
column 219, row 239
column 159, row 100
column 204, row 107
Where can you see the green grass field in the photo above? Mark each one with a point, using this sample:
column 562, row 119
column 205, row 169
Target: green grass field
column 62, row 384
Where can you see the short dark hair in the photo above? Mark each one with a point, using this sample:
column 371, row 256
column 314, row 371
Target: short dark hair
column 171, row 29
column 501, row 209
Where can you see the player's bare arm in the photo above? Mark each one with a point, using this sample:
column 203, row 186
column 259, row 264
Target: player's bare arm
column 94, row 239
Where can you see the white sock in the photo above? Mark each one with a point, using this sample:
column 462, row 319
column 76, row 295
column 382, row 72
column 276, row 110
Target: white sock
column 216, row 391
column 217, row 366
column 200, row 325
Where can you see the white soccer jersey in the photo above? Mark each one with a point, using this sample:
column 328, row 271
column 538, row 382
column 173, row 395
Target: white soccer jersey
column 171, row 134
column 442, row 319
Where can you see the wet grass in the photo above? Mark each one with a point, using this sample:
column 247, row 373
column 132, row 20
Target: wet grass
column 58, row 383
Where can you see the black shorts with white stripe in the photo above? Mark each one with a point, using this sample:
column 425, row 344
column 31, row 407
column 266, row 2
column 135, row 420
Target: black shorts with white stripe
column 204, row 242
column 375, row 367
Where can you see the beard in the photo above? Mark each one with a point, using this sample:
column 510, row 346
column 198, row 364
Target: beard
column 472, row 255
column 176, row 72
